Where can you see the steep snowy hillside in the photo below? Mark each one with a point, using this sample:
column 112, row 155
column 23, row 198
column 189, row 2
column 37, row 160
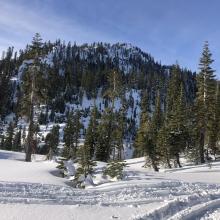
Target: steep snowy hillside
column 76, row 76
column 142, row 194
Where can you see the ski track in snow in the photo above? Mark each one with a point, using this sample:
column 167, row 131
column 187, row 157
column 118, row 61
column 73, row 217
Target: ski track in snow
column 176, row 200
column 142, row 195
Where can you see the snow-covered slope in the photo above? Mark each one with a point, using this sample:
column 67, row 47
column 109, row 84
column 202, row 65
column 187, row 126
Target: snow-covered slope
column 35, row 191
column 14, row 169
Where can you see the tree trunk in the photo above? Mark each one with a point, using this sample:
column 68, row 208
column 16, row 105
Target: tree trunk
column 168, row 161
column 30, row 139
column 31, row 124
column 201, row 147
column 178, row 160
column 50, row 154
column 154, row 166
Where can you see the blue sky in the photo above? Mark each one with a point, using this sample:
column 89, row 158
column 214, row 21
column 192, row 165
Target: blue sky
column 170, row 30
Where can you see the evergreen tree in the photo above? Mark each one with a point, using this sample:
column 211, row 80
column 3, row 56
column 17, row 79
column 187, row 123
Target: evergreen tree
column 9, row 137
column 52, row 141
column 114, row 169
column 33, row 92
column 164, row 146
column 17, row 141
column 177, row 128
column 144, row 128
column 2, row 144
column 214, row 124
column 145, row 141
column 192, row 152
column 110, row 137
column 7, row 66
column 91, row 132
column 218, row 109
column 72, row 134
column 115, row 87
column 104, row 141
column 205, row 97
column 118, row 135
column 85, row 167
column 36, row 46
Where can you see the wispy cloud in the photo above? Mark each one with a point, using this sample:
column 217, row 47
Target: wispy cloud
column 18, row 23
column 168, row 30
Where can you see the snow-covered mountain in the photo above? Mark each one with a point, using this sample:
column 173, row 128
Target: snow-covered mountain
column 76, row 77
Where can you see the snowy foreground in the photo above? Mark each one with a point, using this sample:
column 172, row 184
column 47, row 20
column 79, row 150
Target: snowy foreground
column 35, row 191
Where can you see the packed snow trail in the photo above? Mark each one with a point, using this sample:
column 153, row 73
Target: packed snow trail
column 35, row 191
column 174, row 200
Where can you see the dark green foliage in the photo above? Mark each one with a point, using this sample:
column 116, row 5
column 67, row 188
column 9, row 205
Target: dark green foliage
column 17, row 141
column 8, row 143
column 104, row 141
column 61, row 166
column 118, row 135
column 34, row 92
column 7, row 66
column 177, row 128
column 214, row 125
column 72, row 134
column 145, row 141
column 110, row 129
column 42, row 120
column 164, row 146
column 205, row 101
column 2, row 143
column 92, row 132
column 146, row 138
column 52, row 141
column 114, row 169
column 85, row 165
column 175, row 120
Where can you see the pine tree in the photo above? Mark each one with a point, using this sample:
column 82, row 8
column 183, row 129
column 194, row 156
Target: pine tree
column 105, row 137
column 177, row 128
column 118, row 135
column 110, row 134
column 214, row 124
column 144, row 128
column 205, row 97
column 145, row 101
column 145, row 142
column 52, row 141
column 191, row 151
column 114, row 169
column 218, row 110
column 156, row 124
column 17, row 141
column 85, row 167
column 7, row 66
column 32, row 93
column 2, row 144
column 91, row 132
column 72, row 134
column 36, row 46
column 9, row 137
column 164, row 147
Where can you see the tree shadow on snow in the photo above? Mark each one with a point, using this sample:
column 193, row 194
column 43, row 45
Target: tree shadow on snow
column 10, row 156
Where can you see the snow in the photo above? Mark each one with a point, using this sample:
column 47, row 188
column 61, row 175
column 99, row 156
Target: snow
column 70, row 169
column 36, row 191
column 38, row 171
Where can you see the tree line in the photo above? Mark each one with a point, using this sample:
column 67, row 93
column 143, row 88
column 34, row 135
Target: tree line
column 180, row 111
